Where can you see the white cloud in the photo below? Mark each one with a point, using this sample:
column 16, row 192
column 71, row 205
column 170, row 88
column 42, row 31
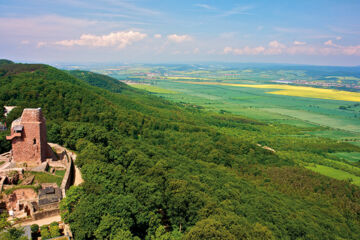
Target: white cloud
column 205, row 6
column 196, row 50
column 301, row 49
column 329, row 43
column 238, row 10
column 276, row 48
column 179, row 38
column 157, row 36
column 338, row 38
column 117, row 39
column 276, row 44
column 244, row 51
column 299, row 43
column 351, row 50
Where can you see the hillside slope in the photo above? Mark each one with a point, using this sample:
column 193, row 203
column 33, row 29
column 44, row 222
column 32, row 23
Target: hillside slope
column 158, row 170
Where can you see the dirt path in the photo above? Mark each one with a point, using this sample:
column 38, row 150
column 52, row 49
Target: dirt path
column 41, row 222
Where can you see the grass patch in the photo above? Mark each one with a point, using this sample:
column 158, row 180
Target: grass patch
column 11, row 190
column 320, row 119
column 334, row 173
column 43, row 177
column 60, row 173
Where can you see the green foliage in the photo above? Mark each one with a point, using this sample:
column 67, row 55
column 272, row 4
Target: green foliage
column 158, row 170
column 34, row 229
column 100, row 80
column 45, row 233
column 5, row 145
column 5, row 61
column 3, row 221
column 54, row 231
column 13, row 234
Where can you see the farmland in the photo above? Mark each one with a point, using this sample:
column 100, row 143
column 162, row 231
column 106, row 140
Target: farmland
column 308, row 92
column 315, row 100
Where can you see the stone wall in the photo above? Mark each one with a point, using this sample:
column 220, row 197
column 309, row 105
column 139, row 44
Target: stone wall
column 46, row 213
column 69, row 175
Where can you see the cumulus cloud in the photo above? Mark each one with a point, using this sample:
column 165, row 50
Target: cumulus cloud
column 276, row 48
column 114, row 39
column 299, row 43
column 244, row 51
column 179, row 38
column 157, row 36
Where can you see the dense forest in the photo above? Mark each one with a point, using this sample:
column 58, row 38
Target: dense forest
column 157, row 170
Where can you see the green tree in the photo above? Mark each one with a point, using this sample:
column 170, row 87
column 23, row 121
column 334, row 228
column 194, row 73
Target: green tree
column 45, row 233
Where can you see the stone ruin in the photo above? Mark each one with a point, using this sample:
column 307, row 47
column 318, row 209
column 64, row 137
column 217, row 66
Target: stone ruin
column 28, row 138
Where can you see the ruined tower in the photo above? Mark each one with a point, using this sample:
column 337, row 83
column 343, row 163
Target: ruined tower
column 28, row 138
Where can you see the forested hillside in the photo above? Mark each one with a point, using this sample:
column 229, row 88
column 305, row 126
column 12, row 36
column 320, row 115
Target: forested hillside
column 158, row 170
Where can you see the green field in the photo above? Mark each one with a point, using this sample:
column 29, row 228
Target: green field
column 153, row 89
column 349, row 156
column 335, row 173
column 256, row 103
column 250, row 93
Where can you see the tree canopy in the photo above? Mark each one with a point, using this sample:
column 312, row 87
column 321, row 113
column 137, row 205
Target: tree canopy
column 159, row 170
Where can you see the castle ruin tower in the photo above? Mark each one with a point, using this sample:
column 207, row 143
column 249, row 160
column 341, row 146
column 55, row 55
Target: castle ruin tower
column 28, row 138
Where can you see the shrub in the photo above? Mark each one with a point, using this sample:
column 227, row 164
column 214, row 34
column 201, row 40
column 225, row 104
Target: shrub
column 45, row 234
column 54, row 224
column 54, row 231
column 34, row 229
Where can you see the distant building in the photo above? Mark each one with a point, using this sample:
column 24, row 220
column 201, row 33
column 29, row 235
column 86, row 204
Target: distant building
column 28, row 138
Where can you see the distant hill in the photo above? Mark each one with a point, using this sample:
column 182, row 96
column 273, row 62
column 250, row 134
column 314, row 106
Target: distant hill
column 159, row 170
column 100, row 80
column 5, row 61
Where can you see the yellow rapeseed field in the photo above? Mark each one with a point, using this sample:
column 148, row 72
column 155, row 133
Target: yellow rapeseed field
column 297, row 91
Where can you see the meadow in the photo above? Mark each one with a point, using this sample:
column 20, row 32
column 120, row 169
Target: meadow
column 335, row 173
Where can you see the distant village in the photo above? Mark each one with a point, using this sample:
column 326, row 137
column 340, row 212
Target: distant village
column 348, row 85
column 34, row 176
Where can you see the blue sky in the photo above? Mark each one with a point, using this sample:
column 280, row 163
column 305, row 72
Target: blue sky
column 301, row 32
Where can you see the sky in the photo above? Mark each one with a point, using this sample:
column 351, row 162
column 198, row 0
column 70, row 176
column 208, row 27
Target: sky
column 319, row 32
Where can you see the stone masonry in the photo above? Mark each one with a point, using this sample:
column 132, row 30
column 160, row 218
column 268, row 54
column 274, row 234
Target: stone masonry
column 28, row 138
